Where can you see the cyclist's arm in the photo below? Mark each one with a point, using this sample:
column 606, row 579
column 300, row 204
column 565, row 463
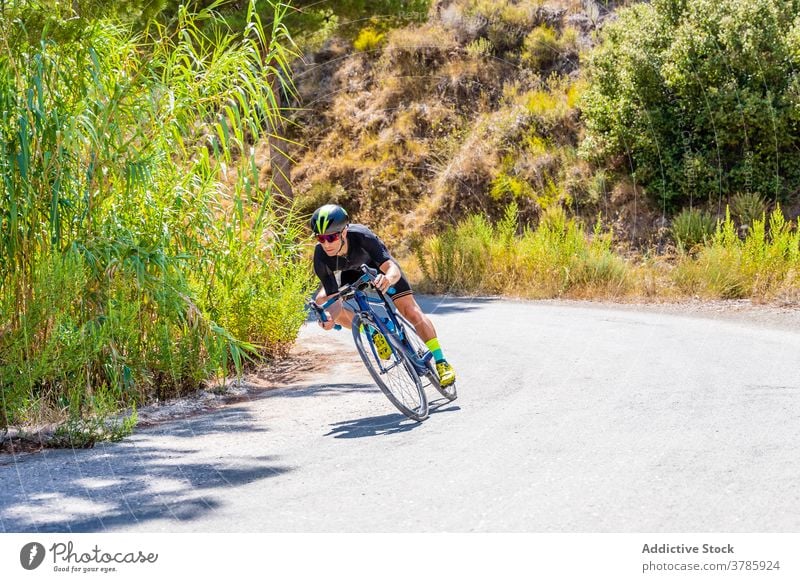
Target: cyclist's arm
column 391, row 275
column 331, row 312
column 381, row 257
column 329, row 287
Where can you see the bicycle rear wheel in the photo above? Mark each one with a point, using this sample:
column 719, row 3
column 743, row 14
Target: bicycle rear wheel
column 420, row 348
column 395, row 376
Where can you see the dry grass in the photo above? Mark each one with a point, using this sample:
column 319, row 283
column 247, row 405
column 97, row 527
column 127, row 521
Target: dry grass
column 558, row 258
column 416, row 49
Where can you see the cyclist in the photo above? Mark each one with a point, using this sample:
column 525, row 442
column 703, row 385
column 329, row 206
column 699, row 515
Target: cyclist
column 342, row 249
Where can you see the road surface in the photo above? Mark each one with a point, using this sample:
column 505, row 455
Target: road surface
column 570, row 418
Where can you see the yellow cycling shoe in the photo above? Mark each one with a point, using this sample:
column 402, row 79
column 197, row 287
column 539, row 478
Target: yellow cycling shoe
column 447, row 375
column 381, row 345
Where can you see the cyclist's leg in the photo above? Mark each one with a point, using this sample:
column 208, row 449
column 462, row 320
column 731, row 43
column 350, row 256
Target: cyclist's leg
column 342, row 314
column 411, row 310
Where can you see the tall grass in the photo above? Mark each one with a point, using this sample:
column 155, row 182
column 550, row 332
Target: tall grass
column 138, row 255
column 764, row 264
column 559, row 258
column 692, row 227
column 555, row 259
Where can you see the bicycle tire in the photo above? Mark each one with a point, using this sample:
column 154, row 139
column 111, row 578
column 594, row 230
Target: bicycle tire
column 404, row 388
column 420, row 348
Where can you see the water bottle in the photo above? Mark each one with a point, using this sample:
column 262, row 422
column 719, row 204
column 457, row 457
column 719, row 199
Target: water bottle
column 389, row 324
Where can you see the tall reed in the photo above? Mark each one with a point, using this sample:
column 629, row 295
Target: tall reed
column 138, row 254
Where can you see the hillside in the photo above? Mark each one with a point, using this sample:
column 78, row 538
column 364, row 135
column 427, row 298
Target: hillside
column 464, row 112
column 479, row 104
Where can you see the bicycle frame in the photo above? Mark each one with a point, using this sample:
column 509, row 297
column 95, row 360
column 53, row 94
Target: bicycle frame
column 362, row 308
column 363, row 300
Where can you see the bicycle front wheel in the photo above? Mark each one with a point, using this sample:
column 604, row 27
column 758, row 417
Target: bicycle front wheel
column 420, row 348
column 394, row 375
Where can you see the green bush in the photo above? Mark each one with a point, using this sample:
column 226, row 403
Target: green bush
column 368, row 40
column 540, row 48
column 544, row 46
column 702, row 95
column 692, row 227
column 728, row 267
column 747, row 207
column 480, row 48
column 456, row 261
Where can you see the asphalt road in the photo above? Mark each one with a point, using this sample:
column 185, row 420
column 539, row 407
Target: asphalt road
column 570, row 418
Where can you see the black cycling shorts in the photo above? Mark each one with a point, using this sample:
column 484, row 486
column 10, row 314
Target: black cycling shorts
column 401, row 288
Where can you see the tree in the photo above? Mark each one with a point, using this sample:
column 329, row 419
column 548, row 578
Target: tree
column 699, row 98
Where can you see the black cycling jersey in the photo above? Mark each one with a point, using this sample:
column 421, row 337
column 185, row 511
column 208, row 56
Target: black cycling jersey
column 363, row 248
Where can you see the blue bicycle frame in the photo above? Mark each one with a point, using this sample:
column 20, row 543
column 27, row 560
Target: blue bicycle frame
column 363, row 307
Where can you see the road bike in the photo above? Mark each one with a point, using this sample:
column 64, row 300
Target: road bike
column 408, row 365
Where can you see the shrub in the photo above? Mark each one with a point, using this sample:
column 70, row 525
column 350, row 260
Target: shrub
column 575, row 92
column 552, row 260
column 541, row 103
column 456, row 260
column 747, row 207
column 541, row 48
column 480, row 48
column 550, row 112
column 761, row 265
column 684, row 89
column 368, row 40
column 692, row 227
column 508, row 185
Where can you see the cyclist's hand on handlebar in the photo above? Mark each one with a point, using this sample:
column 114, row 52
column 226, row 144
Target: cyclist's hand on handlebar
column 328, row 323
column 382, row 283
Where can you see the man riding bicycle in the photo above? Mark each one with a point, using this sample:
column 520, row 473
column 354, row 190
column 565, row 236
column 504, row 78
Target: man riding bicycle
column 342, row 249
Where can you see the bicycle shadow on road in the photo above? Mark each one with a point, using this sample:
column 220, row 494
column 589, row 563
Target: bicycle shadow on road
column 383, row 425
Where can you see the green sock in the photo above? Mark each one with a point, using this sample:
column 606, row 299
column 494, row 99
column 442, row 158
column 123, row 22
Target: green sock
column 433, row 346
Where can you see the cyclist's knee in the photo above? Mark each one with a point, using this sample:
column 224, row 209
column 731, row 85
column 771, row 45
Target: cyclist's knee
column 413, row 313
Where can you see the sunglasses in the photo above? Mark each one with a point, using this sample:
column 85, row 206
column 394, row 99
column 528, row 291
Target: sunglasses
column 329, row 238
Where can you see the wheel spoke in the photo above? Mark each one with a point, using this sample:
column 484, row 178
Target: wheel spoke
column 395, row 376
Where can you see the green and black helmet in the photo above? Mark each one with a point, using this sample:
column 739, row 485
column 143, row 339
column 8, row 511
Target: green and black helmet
column 329, row 219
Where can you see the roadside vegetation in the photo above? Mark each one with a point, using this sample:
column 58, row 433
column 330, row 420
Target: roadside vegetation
column 552, row 260
column 559, row 259
column 544, row 149
column 140, row 259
